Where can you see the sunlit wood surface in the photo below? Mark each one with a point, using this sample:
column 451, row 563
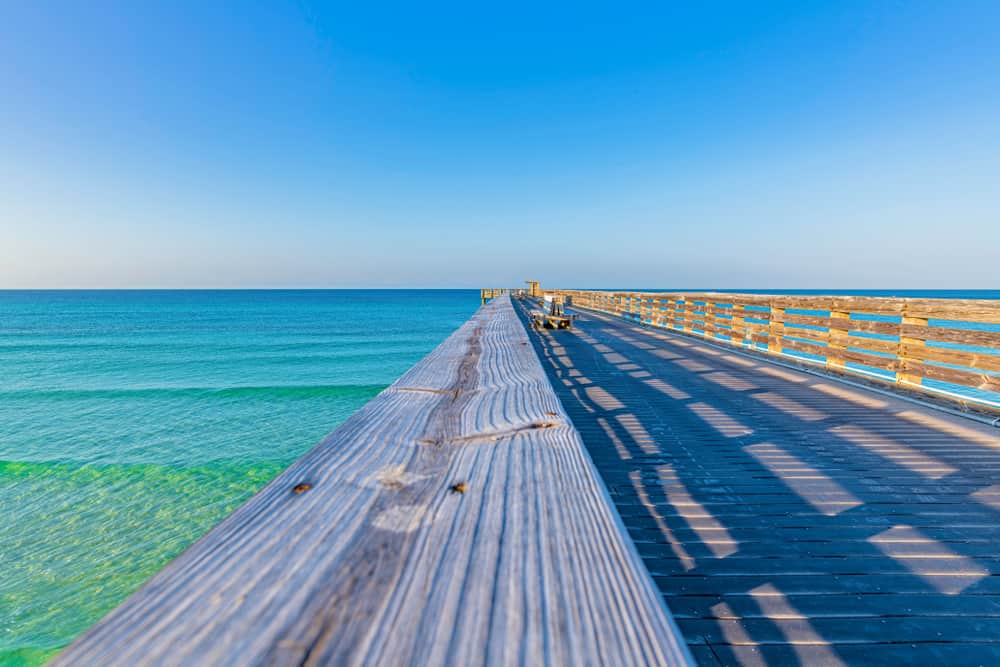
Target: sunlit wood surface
column 455, row 520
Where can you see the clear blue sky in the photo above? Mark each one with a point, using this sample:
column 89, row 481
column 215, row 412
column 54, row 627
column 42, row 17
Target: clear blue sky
column 727, row 144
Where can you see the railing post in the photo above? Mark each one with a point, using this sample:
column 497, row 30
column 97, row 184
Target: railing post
column 710, row 321
column 909, row 349
column 837, row 339
column 737, row 331
column 776, row 329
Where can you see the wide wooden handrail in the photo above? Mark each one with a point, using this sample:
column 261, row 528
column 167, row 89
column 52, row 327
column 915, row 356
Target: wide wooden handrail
column 455, row 519
column 930, row 344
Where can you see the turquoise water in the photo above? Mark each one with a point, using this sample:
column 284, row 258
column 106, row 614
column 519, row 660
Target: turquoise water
column 132, row 422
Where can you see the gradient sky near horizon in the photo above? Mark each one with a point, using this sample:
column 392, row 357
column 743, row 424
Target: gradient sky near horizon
column 307, row 144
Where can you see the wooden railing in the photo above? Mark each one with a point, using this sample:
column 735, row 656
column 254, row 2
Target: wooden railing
column 487, row 293
column 949, row 347
column 455, row 519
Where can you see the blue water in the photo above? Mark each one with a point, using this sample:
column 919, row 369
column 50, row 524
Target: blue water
column 131, row 422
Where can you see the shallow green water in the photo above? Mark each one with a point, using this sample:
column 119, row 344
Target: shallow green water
column 132, row 422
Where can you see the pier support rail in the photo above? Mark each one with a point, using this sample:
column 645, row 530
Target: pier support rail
column 455, row 519
column 949, row 348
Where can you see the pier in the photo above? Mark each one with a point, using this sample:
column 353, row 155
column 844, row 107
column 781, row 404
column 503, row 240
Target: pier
column 787, row 516
column 455, row 519
column 678, row 479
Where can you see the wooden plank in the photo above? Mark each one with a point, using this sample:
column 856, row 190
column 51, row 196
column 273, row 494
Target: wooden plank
column 807, row 335
column 812, row 320
column 365, row 551
column 874, row 361
column 715, row 311
column 990, row 339
column 800, row 346
column 964, row 310
column 866, row 326
column 873, row 344
column 740, row 336
column 955, row 376
column 757, row 326
column 847, row 304
column 920, row 352
column 857, row 357
column 757, row 315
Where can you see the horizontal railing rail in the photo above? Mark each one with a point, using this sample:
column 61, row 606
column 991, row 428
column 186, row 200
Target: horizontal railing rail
column 948, row 347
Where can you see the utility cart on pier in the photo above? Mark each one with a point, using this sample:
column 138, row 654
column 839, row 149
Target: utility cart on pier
column 552, row 315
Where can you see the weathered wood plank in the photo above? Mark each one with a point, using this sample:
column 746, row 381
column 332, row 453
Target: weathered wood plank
column 873, row 344
column 965, row 310
column 986, row 362
column 365, row 552
column 866, row 326
column 813, row 320
column 951, row 335
column 871, row 360
column 955, row 376
column 808, row 336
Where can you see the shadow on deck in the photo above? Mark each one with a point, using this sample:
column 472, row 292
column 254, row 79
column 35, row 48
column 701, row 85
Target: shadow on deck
column 786, row 518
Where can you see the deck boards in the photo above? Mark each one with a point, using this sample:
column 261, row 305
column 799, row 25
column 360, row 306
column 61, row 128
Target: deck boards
column 789, row 519
column 362, row 553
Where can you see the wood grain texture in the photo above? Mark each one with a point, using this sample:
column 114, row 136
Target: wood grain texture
column 381, row 561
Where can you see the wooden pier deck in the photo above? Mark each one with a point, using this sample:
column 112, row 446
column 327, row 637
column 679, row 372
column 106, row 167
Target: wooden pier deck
column 789, row 518
column 454, row 520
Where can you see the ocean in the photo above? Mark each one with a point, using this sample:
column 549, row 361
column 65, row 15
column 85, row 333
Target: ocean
column 131, row 422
